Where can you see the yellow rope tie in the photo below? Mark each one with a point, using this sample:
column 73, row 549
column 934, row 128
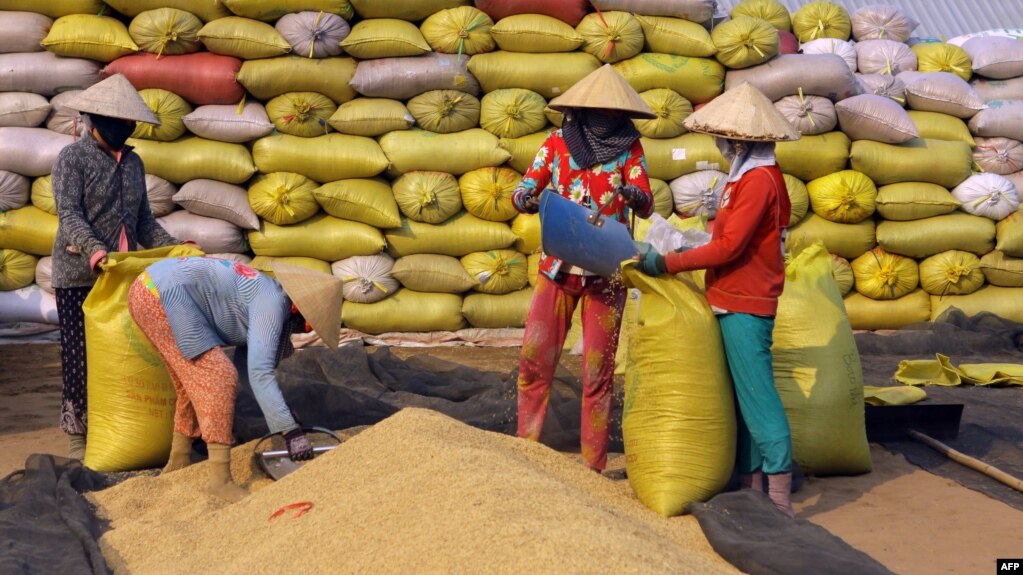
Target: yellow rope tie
column 284, row 200
column 427, row 198
column 241, row 106
column 806, row 109
column 312, row 44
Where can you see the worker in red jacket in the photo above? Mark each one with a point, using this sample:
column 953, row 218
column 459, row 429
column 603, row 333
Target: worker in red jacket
column 745, row 266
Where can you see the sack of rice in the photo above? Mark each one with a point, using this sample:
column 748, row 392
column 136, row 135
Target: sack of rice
column 23, row 109
column 812, row 157
column 698, row 194
column 914, row 201
column 816, row 20
column 843, row 274
column 30, row 151
column 170, row 108
column 942, row 57
column 674, row 36
column 926, row 237
column 951, row 273
column 527, row 228
column 533, row 263
column 14, row 190
column 546, row 74
column 884, row 57
column 1010, row 235
column 372, row 117
column 63, row 119
column 698, row 80
column 201, row 78
column 366, row 278
column 206, row 11
column 302, row 114
column 871, row 117
column 843, row 48
column 212, row 234
column 1001, row 118
column 369, row 201
column 460, row 30
column 523, row 150
column 845, row 197
column 771, row 10
column 264, row 264
column 406, row 311
column 998, row 155
column 243, row 38
column 881, row 22
column 938, row 126
column 1004, row 302
column 743, row 42
column 191, row 157
column 412, row 10
column 809, row 114
column 847, row 240
column 942, row 92
column 166, row 31
column 799, row 198
column 28, row 229
column 611, row 36
column 786, row 75
column 384, row 38
column 224, row 123
column 496, row 272
column 313, row 34
column 22, row 31
column 213, row 199
column 18, row 269
column 913, row 161
column 322, row 237
column 535, row 33
column 433, row 273
column 270, row 77
column 283, row 198
column 873, row 314
column 664, row 202
column 994, row 57
column 459, row 235
column 1002, row 270
column 497, row 311
column 270, row 10
column 42, row 195
column 445, row 111
column 883, row 275
column 456, row 153
column 670, row 107
column 28, row 304
column 403, row 78
column 44, row 273
column 699, row 11
column 988, row 195
column 568, row 11
column 100, row 38
column 486, row 193
column 512, row 112
column 1009, row 89
column 425, row 196
column 46, row 73
column 323, row 158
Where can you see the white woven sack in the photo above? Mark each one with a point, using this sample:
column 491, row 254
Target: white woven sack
column 46, row 73
column 698, row 11
column 988, row 195
column 1014, row 33
column 223, row 123
column 698, row 193
column 1011, row 89
column 883, row 85
column 367, row 279
column 1001, row 118
column 810, row 115
column 995, row 57
column 842, row 48
column 61, row 119
column 161, row 195
column 881, row 22
column 23, row 31
column 23, row 109
column 884, row 57
column 14, row 190
column 212, row 234
column 941, row 92
column 873, row 117
column 404, row 78
column 28, row 304
column 221, row 200
column 30, row 151
column 998, row 155
column 786, row 74
column 313, row 34
column 44, row 273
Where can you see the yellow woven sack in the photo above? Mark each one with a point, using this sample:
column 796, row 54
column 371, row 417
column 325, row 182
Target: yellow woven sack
column 678, row 425
column 384, row 38
column 302, row 114
column 497, row 311
column 445, row 111
column 914, row 201
column 814, row 156
column 28, row 229
column 847, row 240
column 42, row 194
column 461, row 30
column 675, row 36
column 497, row 272
column 536, row 33
column 166, row 31
column 170, row 109
column 943, row 57
column 821, row 20
column 843, row 274
column 430, row 197
column 938, row 126
column 546, row 74
column 664, row 199
column 845, row 197
column 523, row 150
column 55, row 8
column 912, row 161
column 460, row 235
column 1005, row 302
column 882, row 275
column 269, row 77
column 322, row 237
column 432, row 273
column 698, row 80
column 817, row 370
column 406, row 311
column 131, row 397
column 1009, row 232
column 487, row 193
column 283, row 198
column 743, row 42
column 669, row 158
column 270, row 10
column 611, row 36
column 533, row 262
column 323, row 158
column 922, row 238
column 873, row 314
column 891, row 395
column 262, row 263
column 18, row 269
column 192, row 158
column 527, row 228
column 1002, row 270
column 771, row 10
column 371, row 117
column 369, row 201
column 799, row 198
column 953, row 272
column 457, row 153
column 412, row 10
column 89, row 36
column 512, row 112
column 243, row 38
column 670, row 107
column 204, row 9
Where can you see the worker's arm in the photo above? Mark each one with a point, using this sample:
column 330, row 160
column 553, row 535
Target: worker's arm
column 526, row 196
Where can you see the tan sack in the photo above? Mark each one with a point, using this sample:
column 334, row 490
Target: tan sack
column 166, row 31
column 988, row 195
column 693, row 10
column 366, row 200
column 1010, row 235
column 1009, row 89
column 883, row 275
column 929, row 236
column 799, row 198
column 951, row 273
column 425, row 196
column 843, row 274
column 461, row 234
column 998, row 155
column 23, row 31
column 322, row 237
column 191, row 157
column 674, row 36
column 912, row 161
column 816, row 20
column 871, row 117
column 497, row 311
column 883, row 85
column 270, row 77
column 212, row 234
column 456, row 153
column 942, row 92
column 884, row 57
column 445, row 111
column 698, row 80
column 14, row 190
column 611, row 36
column 1002, row 270
column 812, row 157
column 847, row 240
column 938, row 126
column 313, row 34
column 537, row 33
column 213, row 199
column 403, row 78
column 671, row 108
column 225, row 123
column 809, row 114
column 323, row 158
column 371, row 117
column 512, row 112
column 843, row 48
column 1001, row 118
column 44, row 274
column 786, row 74
column 23, row 109
column 406, row 311
column 1004, row 302
column 46, row 73
column 546, row 74
column 882, row 22
column 30, row 151
column 243, row 38
column 914, row 201
column 995, row 58
column 432, row 273
column 873, row 314
column 366, row 278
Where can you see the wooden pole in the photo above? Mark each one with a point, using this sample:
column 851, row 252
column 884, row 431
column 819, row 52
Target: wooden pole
column 968, row 461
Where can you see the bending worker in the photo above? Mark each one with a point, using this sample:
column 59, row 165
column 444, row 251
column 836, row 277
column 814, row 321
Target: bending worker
column 745, row 275
column 191, row 307
column 596, row 160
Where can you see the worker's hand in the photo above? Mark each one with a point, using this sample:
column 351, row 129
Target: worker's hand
column 299, row 448
column 634, row 197
column 649, row 260
column 525, row 201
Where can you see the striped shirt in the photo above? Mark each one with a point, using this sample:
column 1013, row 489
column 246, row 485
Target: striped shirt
column 213, row 302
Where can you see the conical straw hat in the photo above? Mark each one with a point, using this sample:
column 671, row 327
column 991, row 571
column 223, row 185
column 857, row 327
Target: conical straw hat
column 114, row 97
column 316, row 294
column 743, row 113
column 606, row 89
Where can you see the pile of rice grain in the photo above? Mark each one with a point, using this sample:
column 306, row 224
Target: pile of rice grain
column 418, row 492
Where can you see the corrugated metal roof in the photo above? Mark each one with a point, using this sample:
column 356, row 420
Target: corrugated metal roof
column 942, row 19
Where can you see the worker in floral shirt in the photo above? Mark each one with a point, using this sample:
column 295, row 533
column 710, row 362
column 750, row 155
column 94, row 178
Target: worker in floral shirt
column 596, row 160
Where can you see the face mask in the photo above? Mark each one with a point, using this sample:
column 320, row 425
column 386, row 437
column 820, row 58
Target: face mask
column 114, row 131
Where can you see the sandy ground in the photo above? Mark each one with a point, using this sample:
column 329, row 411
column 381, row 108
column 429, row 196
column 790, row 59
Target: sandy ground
column 908, row 519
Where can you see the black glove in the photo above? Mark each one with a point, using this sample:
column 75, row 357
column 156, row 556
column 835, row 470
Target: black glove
column 299, row 448
column 634, row 197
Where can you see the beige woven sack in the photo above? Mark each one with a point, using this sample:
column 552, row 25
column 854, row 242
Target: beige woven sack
column 161, row 195
column 432, row 273
column 1002, row 270
column 213, row 199
column 942, row 92
column 698, row 194
column 953, row 272
column 14, row 190
column 995, row 57
column 1002, row 118
column 1009, row 89
column 313, row 34
column 371, row 117
column 223, row 122
column 843, row 48
column 988, row 195
column 403, row 78
column 30, row 151
column 883, row 85
column 914, row 201
column 44, row 273
column 535, row 33
column 23, row 109
column 212, row 234
column 367, row 278
column 809, row 114
column 884, row 57
column 366, row 200
column 881, row 22
column 871, row 117
column 445, row 111
column 786, row 74
column 22, row 31
column 46, row 73
column 430, row 197
column 929, row 236
column 998, row 155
